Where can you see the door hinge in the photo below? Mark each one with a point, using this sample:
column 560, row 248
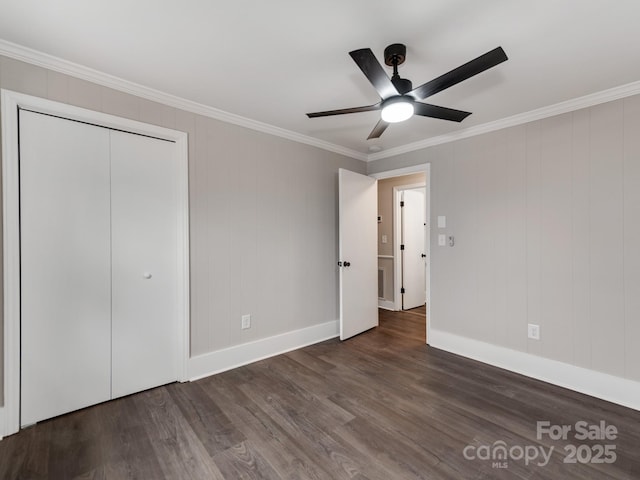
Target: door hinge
column 402, row 290
column 401, row 247
column 402, row 203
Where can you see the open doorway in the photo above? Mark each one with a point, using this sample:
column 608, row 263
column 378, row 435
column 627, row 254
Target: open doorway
column 403, row 242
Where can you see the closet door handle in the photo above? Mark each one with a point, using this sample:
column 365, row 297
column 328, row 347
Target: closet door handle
column 147, row 275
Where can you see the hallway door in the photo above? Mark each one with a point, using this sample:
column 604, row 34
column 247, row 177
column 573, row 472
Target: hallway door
column 413, row 254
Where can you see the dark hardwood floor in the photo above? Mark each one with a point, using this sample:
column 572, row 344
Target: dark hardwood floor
column 382, row 405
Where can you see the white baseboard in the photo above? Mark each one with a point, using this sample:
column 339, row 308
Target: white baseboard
column 600, row 385
column 386, row 304
column 239, row 355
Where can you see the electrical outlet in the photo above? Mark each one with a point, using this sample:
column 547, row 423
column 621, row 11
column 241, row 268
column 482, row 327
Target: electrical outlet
column 246, row 322
column 533, row 331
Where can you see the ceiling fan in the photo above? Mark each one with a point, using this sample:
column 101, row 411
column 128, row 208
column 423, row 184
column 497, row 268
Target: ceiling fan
column 399, row 100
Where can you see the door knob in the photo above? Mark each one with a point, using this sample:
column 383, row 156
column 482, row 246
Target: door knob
column 147, row 275
column 347, row 264
column 423, row 256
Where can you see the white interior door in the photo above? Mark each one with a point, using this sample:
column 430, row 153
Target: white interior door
column 145, row 263
column 65, row 266
column 413, row 255
column 358, row 205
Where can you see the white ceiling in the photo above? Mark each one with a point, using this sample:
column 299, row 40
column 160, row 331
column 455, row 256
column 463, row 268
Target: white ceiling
column 273, row 61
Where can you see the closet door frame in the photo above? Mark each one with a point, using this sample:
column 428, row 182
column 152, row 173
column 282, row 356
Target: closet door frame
column 10, row 103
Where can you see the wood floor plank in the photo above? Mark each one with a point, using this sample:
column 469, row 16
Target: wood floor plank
column 27, row 458
column 244, row 461
column 316, row 442
column 277, row 445
column 176, row 446
column 212, row 426
column 312, row 362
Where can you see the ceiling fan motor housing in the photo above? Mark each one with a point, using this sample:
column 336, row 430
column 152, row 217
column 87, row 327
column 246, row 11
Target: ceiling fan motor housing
column 402, row 85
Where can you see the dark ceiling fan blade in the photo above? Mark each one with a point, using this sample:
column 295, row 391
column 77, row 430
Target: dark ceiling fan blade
column 380, row 127
column 372, row 69
column 434, row 111
column 463, row 72
column 368, row 108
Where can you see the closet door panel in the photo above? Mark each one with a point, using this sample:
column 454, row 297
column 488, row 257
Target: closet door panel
column 145, row 262
column 65, row 266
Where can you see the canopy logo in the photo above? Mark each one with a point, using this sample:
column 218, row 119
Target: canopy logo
column 500, row 454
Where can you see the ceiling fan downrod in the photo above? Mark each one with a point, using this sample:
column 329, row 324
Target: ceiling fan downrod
column 395, row 55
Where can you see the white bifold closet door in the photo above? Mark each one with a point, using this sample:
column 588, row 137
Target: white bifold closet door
column 144, row 233
column 98, row 264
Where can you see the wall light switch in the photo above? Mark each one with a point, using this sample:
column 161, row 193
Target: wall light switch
column 442, row 240
column 384, row 239
column 442, row 221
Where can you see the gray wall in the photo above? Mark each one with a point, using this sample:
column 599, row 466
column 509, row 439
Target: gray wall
column 546, row 218
column 263, row 215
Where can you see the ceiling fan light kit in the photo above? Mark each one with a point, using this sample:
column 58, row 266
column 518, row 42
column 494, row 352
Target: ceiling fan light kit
column 399, row 101
column 397, row 109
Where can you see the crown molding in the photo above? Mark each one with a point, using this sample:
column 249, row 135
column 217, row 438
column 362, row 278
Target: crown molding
column 567, row 106
column 40, row 59
column 34, row 57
